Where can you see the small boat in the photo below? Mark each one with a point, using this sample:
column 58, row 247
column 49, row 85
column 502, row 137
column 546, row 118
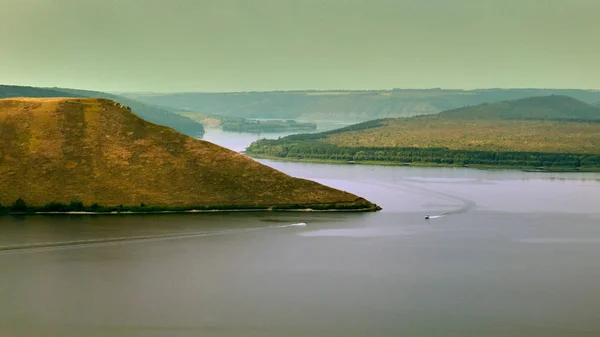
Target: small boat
column 427, row 217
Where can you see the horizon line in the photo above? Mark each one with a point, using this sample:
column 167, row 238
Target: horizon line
column 340, row 90
column 302, row 90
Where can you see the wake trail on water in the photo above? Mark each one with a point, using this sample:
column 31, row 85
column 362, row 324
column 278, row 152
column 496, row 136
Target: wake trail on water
column 78, row 244
column 465, row 205
column 301, row 224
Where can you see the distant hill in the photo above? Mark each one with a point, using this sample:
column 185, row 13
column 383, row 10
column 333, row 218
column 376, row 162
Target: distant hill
column 94, row 154
column 152, row 113
column 554, row 107
column 347, row 105
column 7, row 91
column 550, row 132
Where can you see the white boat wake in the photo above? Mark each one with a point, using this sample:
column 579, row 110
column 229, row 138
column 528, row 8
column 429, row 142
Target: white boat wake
column 465, row 205
column 301, row 224
column 77, row 244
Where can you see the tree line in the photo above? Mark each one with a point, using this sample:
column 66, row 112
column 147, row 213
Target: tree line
column 324, row 151
column 20, row 206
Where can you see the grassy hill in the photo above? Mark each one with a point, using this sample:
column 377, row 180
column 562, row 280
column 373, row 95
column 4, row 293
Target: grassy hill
column 348, row 105
column 95, row 154
column 554, row 107
column 152, row 113
column 551, row 132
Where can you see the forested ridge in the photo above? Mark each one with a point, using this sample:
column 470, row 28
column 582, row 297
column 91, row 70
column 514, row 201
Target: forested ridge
column 555, row 132
column 553, row 107
column 319, row 150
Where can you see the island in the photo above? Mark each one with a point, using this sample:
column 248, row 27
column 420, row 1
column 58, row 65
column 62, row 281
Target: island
column 260, row 126
column 95, row 155
column 553, row 132
column 245, row 125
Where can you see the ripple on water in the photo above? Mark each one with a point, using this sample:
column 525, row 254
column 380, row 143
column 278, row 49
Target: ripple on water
column 368, row 232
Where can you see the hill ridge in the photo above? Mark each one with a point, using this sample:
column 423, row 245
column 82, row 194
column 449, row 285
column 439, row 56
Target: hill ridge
column 56, row 151
column 555, row 132
column 552, row 107
column 156, row 114
column 346, row 105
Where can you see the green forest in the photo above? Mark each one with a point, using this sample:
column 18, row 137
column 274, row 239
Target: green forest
column 403, row 155
column 20, row 206
column 552, row 132
column 549, row 108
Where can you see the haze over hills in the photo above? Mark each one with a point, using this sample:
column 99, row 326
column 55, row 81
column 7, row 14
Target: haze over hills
column 551, row 132
column 346, row 105
column 95, row 151
column 153, row 113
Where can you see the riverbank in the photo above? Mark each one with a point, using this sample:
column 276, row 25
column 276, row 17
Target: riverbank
column 425, row 164
column 172, row 210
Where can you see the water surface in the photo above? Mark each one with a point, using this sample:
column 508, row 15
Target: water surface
column 239, row 141
column 516, row 254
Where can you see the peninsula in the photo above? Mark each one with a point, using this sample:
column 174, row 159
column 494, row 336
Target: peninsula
column 85, row 154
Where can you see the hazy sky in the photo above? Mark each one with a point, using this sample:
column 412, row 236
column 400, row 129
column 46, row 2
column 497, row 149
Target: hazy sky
column 237, row 45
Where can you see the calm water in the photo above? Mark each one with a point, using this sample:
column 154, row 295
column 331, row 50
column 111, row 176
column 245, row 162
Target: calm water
column 517, row 254
column 239, row 141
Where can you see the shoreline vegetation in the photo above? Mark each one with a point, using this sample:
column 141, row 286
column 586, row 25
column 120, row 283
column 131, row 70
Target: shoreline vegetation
column 553, row 133
column 424, row 164
column 20, row 207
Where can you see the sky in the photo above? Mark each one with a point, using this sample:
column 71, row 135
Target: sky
column 259, row 45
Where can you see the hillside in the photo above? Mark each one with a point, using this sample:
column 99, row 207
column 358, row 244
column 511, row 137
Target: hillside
column 542, row 132
column 347, row 105
column 152, row 113
column 56, row 151
column 554, row 107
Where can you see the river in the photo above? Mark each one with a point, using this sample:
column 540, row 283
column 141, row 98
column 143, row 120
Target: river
column 505, row 253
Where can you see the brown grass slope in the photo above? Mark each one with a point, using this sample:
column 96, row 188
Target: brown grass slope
column 95, row 151
column 555, row 124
